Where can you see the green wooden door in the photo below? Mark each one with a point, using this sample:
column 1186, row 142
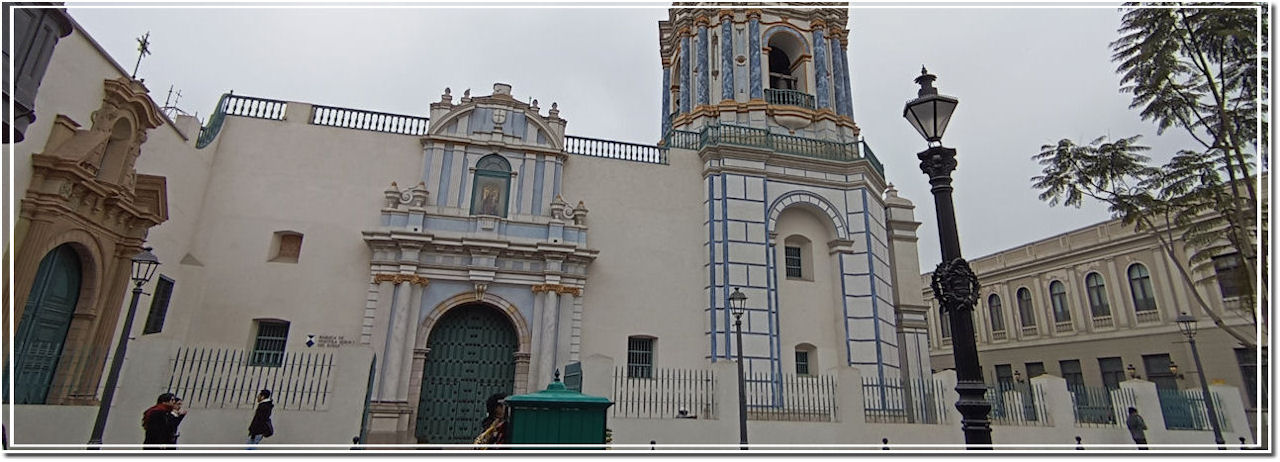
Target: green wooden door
column 472, row 356
column 43, row 327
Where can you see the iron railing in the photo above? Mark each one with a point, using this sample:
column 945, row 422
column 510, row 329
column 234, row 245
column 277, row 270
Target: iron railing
column 893, row 401
column 224, row 378
column 737, row 135
column 1100, row 407
column 615, row 150
column 1184, row 410
column 788, row 97
column 1018, row 404
column 791, row 397
column 664, row 394
column 243, row 106
column 368, row 120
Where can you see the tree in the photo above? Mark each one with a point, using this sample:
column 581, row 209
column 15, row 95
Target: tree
column 1195, row 67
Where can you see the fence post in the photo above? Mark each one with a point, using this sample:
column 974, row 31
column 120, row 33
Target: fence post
column 297, row 113
column 725, row 374
column 850, row 407
column 1148, row 404
column 1057, row 405
column 1231, row 410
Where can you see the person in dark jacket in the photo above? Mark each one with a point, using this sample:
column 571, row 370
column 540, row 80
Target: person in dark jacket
column 495, row 424
column 160, row 422
column 261, row 426
column 178, row 414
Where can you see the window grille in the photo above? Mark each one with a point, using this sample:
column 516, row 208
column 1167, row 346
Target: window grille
column 793, row 262
column 640, row 357
column 802, row 362
column 268, row 347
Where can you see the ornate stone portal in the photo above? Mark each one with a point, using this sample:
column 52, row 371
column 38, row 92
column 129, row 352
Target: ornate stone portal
column 84, row 192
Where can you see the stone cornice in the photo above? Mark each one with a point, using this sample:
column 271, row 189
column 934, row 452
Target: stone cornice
column 64, row 186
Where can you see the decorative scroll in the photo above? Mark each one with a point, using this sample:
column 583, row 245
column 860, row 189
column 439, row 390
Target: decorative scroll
column 955, row 285
column 399, row 278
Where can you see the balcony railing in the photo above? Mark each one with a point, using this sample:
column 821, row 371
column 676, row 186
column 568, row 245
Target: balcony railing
column 1064, row 326
column 736, row 135
column 1103, row 322
column 615, row 150
column 1145, row 317
column 368, row 120
column 243, row 106
column 788, row 98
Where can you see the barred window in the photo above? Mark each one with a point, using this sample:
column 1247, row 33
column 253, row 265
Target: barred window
column 159, row 306
column 794, row 263
column 802, row 362
column 268, row 346
column 640, row 357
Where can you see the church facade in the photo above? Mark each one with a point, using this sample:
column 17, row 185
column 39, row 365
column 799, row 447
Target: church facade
column 479, row 248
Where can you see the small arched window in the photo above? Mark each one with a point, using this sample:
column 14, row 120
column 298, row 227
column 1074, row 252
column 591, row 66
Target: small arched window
column 797, row 258
column 1058, row 297
column 997, row 315
column 1144, row 298
column 1097, row 291
column 491, row 187
column 1025, row 310
column 806, row 359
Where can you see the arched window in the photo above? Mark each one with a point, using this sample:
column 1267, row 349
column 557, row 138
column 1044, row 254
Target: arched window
column 997, row 315
column 1058, row 297
column 1025, row 310
column 116, row 155
column 491, row 187
column 1097, row 291
column 786, row 70
column 1144, row 299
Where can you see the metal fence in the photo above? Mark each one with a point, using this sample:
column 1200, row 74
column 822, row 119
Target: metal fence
column 791, row 397
column 1100, row 407
column 368, row 120
column 615, row 150
column 1184, row 410
column 893, row 401
column 1018, row 404
column 737, row 135
column 243, row 106
column 664, row 394
column 224, row 378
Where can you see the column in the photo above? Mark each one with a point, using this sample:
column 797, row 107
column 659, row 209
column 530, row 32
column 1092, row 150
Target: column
column 840, row 76
column 396, row 341
column 726, row 56
column 843, row 53
column 410, row 328
column 686, row 71
column 666, row 97
column 753, row 53
column 704, row 74
column 536, row 339
column 547, row 355
column 821, row 80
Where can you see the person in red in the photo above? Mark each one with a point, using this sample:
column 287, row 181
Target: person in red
column 160, row 422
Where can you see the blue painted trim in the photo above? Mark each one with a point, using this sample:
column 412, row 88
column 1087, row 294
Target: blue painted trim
column 555, row 187
column 711, row 250
column 686, row 73
column 726, row 60
column 666, row 100
column 704, row 73
column 539, row 177
column 844, row 301
column 445, row 169
column 753, row 51
column 848, row 90
column 840, row 221
column 426, row 165
column 875, row 307
column 520, row 186
column 820, row 68
column 724, row 232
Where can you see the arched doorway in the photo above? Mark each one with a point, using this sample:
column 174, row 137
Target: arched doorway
column 471, row 356
column 43, row 327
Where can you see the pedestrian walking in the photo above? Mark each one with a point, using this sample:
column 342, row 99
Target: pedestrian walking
column 261, row 426
column 178, row 414
column 160, row 422
column 495, row 422
column 1137, row 428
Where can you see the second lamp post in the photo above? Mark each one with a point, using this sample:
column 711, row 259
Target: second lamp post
column 738, row 304
column 954, row 283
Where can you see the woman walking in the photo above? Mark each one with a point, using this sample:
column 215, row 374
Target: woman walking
column 261, row 426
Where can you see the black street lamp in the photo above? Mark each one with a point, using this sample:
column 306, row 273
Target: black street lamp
column 954, row 283
column 1187, row 325
column 144, row 266
column 738, row 305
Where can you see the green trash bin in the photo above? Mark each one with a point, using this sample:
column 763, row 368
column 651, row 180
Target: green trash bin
column 558, row 415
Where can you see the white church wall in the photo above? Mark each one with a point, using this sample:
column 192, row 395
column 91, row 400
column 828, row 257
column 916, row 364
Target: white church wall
column 809, row 306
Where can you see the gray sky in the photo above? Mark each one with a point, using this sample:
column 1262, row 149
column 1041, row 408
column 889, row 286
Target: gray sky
column 1025, row 77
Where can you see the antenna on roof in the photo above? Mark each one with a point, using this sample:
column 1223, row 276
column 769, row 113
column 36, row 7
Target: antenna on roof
column 170, row 107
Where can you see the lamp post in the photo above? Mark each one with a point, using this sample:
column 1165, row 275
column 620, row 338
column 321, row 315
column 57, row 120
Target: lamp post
column 144, row 266
column 954, row 283
column 738, row 304
column 1187, row 325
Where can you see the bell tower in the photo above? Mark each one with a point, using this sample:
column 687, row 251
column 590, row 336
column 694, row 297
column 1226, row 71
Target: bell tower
column 783, row 69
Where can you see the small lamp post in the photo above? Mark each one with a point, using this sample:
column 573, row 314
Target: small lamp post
column 144, row 267
column 1133, row 371
column 738, row 305
column 1187, row 325
column 954, row 283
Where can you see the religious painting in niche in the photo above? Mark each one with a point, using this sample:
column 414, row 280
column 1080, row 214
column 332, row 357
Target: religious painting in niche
column 492, row 186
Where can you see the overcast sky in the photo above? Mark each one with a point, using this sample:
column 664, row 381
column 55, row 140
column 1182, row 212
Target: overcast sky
column 1025, row 77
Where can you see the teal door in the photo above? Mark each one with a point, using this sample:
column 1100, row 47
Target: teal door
column 43, row 327
column 472, row 356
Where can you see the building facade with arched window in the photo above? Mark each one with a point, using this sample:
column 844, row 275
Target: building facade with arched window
column 1091, row 302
